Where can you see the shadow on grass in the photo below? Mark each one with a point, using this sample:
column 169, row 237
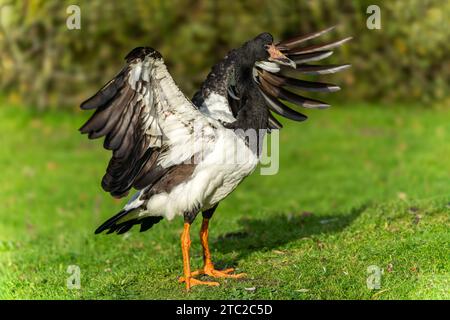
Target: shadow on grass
column 280, row 229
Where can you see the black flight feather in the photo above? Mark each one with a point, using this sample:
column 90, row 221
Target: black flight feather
column 112, row 224
column 310, row 57
column 283, row 94
column 111, row 221
column 321, row 69
column 106, row 93
column 320, row 47
column 280, row 108
column 296, row 41
column 280, row 81
column 274, row 123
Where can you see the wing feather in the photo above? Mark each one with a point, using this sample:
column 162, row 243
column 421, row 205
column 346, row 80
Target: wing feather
column 278, row 82
column 320, row 47
column 106, row 93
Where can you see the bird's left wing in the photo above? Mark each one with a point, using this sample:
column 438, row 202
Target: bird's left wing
column 278, row 83
column 146, row 120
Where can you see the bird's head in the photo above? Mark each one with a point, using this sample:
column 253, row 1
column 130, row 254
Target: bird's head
column 262, row 48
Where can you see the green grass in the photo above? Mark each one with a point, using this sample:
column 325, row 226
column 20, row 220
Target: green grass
column 357, row 186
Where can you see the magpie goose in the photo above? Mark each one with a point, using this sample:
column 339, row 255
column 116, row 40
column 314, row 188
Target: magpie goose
column 180, row 155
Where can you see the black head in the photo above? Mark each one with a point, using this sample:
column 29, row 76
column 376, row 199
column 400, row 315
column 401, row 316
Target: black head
column 262, row 48
column 256, row 49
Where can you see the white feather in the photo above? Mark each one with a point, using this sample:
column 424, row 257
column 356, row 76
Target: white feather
column 268, row 66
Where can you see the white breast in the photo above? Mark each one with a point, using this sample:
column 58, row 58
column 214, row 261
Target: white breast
column 214, row 178
column 216, row 106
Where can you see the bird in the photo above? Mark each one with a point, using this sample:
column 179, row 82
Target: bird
column 179, row 154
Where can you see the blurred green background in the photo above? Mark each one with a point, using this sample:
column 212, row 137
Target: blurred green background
column 363, row 183
column 43, row 64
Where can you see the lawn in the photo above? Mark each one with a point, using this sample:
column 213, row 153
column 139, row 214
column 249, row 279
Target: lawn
column 358, row 186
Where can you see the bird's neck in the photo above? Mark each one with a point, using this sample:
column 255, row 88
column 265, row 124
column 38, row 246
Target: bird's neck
column 253, row 114
column 236, row 67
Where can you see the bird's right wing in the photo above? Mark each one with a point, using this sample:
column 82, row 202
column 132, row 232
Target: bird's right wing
column 147, row 122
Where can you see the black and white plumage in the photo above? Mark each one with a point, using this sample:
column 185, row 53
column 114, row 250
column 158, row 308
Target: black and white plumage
column 180, row 155
column 155, row 134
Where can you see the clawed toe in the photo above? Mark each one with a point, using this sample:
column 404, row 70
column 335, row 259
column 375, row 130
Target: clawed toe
column 224, row 273
column 212, row 273
column 190, row 282
column 193, row 274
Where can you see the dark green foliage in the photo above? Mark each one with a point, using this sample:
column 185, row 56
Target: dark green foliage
column 43, row 63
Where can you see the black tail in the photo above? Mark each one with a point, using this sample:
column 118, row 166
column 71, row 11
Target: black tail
column 111, row 224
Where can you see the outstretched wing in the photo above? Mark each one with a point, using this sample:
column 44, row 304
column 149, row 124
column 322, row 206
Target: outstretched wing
column 279, row 83
column 146, row 120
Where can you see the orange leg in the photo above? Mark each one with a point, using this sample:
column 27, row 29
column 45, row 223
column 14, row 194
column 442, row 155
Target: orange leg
column 185, row 246
column 208, row 267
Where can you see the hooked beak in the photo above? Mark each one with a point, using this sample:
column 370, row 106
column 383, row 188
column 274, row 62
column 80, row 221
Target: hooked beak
column 275, row 55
